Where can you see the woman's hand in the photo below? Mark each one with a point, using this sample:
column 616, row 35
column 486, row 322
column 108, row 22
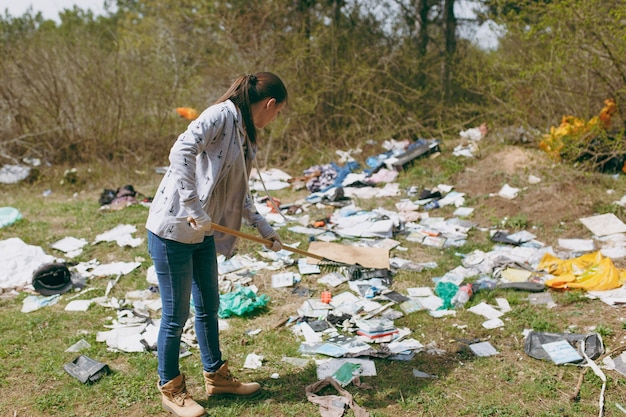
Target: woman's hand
column 276, row 245
column 201, row 223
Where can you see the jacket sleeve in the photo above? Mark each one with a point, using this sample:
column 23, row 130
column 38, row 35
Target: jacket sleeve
column 202, row 135
column 255, row 219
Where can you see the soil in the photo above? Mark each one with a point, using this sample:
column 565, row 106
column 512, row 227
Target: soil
column 553, row 205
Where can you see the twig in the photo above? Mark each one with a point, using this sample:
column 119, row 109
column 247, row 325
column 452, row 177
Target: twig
column 576, row 395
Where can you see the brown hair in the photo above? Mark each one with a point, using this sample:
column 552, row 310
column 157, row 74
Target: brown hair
column 249, row 89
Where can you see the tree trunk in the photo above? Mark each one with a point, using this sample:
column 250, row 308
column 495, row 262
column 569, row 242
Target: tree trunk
column 449, row 27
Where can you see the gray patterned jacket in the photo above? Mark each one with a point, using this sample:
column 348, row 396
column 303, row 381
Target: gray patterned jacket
column 207, row 173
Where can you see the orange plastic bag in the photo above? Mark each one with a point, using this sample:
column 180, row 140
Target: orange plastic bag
column 591, row 272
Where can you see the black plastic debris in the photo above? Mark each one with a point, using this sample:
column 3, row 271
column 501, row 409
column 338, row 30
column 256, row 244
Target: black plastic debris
column 501, row 237
column 355, row 272
column 86, row 370
column 52, row 278
column 534, row 341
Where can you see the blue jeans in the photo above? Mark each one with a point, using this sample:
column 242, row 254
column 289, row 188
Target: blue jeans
column 184, row 270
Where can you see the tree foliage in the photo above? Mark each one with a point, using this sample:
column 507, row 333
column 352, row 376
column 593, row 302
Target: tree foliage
column 105, row 87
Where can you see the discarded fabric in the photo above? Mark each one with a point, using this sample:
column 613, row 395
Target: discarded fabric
column 333, row 405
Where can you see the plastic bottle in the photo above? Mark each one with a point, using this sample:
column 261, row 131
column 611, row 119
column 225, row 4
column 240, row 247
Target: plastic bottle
column 462, row 296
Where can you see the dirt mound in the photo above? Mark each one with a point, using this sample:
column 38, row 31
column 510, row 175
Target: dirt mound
column 542, row 206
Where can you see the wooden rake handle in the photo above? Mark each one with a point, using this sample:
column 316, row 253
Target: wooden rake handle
column 267, row 242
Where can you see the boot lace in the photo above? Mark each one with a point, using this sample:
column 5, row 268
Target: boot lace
column 180, row 397
column 229, row 377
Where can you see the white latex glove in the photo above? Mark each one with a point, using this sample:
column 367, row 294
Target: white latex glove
column 201, row 223
column 276, row 245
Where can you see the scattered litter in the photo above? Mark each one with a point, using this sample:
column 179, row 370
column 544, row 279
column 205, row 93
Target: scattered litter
column 333, row 279
column 419, row 374
column 561, row 352
column 19, row 260
column 616, row 363
column 360, row 322
column 591, row 271
column 240, row 302
column 485, row 310
column 463, row 211
column 8, row 216
column 577, row 245
column 35, row 302
column 534, row 346
column 604, row 224
column 306, row 268
column 516, row 275
column 328, row 367
column 92, row 270
column 420, row 292
column 120, row 198
column 71, row 246
column 508, row 192
column 542, row 298
column 475, row 133
column 346, row 373
column 596, row 370
column 351, row 255
column 532, row 179
column 12, row 174
column 299, row 362
column 120, row 234
column 503, row 304
column 333, row 405
column 52, row 278
column 78, row 346
column 274, row 179
column 405, row 345
column 613, row 246
column 130, row 337
column 493, row 324
column 614, row 297
column 253, row 361
column 86, row 370
column 78, row 305
column 285, row 279
column 483, row 349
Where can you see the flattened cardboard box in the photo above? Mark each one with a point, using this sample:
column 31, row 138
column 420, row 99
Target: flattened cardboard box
column 352, row 255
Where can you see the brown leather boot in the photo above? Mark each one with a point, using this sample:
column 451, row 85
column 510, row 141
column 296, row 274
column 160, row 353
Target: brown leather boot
column 178, row 401
column 222, row 382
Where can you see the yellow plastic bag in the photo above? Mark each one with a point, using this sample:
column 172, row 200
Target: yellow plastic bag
column 591, row 272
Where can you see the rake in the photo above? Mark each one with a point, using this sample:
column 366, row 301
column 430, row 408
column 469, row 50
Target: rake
column 324, row 263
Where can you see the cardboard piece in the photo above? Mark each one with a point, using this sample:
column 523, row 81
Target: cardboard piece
column 352, row 255
column 604, row 224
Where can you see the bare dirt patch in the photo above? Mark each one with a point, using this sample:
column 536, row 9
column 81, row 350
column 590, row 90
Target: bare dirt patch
column 554, row 204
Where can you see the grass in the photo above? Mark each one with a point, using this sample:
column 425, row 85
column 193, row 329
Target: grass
column 32, row 345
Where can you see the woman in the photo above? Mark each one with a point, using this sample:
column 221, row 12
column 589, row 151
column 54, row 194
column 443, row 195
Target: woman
column 207, row 181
